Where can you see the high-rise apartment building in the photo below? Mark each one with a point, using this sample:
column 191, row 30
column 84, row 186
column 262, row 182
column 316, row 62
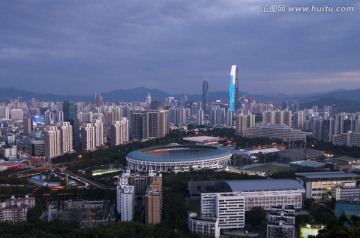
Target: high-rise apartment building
column 88, row 137
column 119, row 132
column 243, row 122
column 154, row 201
column 49, row 118
column 125, row 198
column 234, row 88
column 66, row 137
column 164, row 123
column 52, row 142
column 99, row 133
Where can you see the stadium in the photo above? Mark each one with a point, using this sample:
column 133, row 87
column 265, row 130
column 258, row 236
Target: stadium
column 175, row 158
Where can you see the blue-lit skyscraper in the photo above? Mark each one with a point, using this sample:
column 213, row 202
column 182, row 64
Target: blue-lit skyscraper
column 234, row 88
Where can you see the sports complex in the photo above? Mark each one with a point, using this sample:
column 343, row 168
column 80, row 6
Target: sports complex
column 174, row 158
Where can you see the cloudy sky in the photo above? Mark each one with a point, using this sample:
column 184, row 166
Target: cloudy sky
column 88, row 46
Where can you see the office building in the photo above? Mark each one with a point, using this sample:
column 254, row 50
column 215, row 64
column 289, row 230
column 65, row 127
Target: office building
column 151, row 125
column 205, row 96
column 319, row 185
column 137, row 121
column 70, row 110
column 70, row 114
column 234, row 88
column 27, row 126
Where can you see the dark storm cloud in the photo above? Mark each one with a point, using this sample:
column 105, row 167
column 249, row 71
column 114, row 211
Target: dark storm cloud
column 98, row 46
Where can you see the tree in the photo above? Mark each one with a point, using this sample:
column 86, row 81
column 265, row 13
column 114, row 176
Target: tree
column 255, row 216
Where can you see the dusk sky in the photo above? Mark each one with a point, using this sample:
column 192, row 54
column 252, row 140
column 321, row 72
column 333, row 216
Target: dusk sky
column 87, row 46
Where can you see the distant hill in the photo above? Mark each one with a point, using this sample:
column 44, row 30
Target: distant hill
column 342, row 105
column 12, row 93
column 139, row 94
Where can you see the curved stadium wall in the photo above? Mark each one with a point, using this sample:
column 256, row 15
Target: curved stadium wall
column 178, row 158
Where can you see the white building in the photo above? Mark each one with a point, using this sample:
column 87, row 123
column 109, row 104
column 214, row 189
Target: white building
column 5, row 113
column 229, row 208
column 204, row 227
column 239, row 196
column 275, row 131
column 66, row 137
column 15, row 209
column 125, row 198
column 120, row 132
column 52, row 142
column 99, row 133
column 346, row 192
column 318, row 185
column 16, row 114
column 88, row 137
column 8, row 151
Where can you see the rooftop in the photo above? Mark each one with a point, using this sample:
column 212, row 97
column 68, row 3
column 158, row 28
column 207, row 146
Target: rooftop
column 320, row 175
column 203, row 139
column 264, row 185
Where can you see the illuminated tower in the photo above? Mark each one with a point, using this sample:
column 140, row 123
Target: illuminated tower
column 234, row 88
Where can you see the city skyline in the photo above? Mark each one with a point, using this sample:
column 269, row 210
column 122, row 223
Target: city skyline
column 95, row 47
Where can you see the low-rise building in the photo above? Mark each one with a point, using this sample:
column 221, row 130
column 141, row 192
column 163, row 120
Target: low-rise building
column 204, row 227
column 15, row 209
column 346, row 192
column 319, row 185
column 281, row 222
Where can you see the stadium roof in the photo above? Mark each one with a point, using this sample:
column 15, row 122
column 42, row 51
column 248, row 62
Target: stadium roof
column 326, row 175
column 264, row 185
column 213, row 153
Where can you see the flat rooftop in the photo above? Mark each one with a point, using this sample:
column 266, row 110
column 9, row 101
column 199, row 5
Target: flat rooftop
column 326, row 175
column 202, row 139
column 264, row 185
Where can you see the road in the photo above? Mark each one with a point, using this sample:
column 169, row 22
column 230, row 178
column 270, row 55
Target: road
column 86, row 180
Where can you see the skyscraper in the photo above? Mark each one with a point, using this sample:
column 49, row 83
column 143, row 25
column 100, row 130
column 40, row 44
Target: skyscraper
column 234, row 88
column 205, row 99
